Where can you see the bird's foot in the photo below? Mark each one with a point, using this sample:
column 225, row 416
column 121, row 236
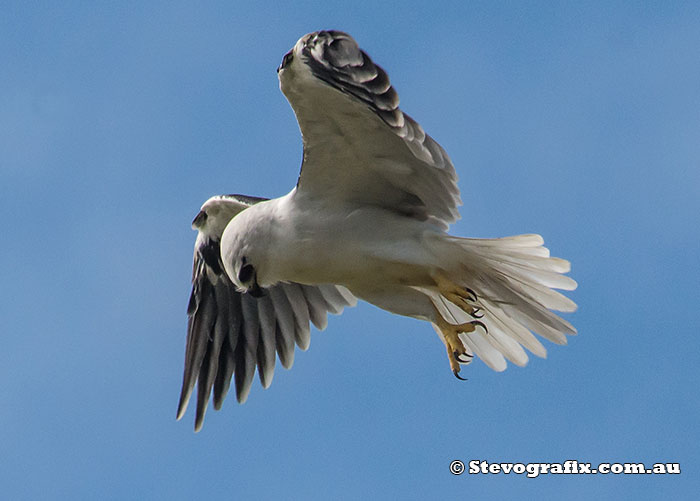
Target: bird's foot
column 456, row 351
column 462, row 297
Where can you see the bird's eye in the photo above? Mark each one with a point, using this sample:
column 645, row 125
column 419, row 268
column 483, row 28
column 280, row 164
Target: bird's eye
column 246, row 273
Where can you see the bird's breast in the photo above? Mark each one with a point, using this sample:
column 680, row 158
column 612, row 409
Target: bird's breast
column 363, row 245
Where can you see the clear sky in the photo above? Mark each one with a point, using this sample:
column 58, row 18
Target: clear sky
column 576, row 120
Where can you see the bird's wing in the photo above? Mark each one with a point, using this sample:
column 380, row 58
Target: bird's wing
column 231, row 333
column 358, row 145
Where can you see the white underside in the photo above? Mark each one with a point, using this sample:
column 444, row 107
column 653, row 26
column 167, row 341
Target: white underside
column 388, row 260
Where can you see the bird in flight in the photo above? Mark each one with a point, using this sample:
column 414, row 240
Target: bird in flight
column 367, row 219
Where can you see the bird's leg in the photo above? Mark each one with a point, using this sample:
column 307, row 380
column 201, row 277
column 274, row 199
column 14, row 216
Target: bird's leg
column 462, row 297
column 456, row 351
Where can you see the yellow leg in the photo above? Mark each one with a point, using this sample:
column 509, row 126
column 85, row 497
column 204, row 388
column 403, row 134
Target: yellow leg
column 456, row 351
column 462, row 297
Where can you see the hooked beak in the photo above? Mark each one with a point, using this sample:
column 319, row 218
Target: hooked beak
column 256, row 291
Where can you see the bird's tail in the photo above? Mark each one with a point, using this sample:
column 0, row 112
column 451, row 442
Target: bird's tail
column 511, row 281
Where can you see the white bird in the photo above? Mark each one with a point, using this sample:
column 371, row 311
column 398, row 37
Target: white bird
column 368, row 218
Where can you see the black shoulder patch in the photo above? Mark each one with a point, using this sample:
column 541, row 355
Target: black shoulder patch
column 199, row 219
column 211, row 254
column 335, row 58
column 248, row 200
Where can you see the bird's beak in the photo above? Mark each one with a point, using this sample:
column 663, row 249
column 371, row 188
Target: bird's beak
column 256, row 291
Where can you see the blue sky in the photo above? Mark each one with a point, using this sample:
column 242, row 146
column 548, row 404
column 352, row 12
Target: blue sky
column 579, row 121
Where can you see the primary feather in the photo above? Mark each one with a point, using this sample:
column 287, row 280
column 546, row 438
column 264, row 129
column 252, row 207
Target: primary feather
column 231, row 334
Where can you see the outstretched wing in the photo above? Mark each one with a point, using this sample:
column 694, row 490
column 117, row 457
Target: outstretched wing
column 358, row 145
column 230, row 334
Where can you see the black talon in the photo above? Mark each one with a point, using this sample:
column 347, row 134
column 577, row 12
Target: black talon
column 480, row 324
column 457, row 356
column 474, row 313
column 473, row 294
column 463, row 361
column 458, row 376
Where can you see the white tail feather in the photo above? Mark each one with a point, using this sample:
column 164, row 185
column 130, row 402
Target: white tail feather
column 515, row 329
column 485, row 351
column 528, row 240
column 513, row 279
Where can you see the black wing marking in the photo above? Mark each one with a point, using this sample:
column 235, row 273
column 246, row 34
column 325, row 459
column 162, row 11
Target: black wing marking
column 247, row 199
column 396, row 165
column 230, row 334
column 335, row 58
